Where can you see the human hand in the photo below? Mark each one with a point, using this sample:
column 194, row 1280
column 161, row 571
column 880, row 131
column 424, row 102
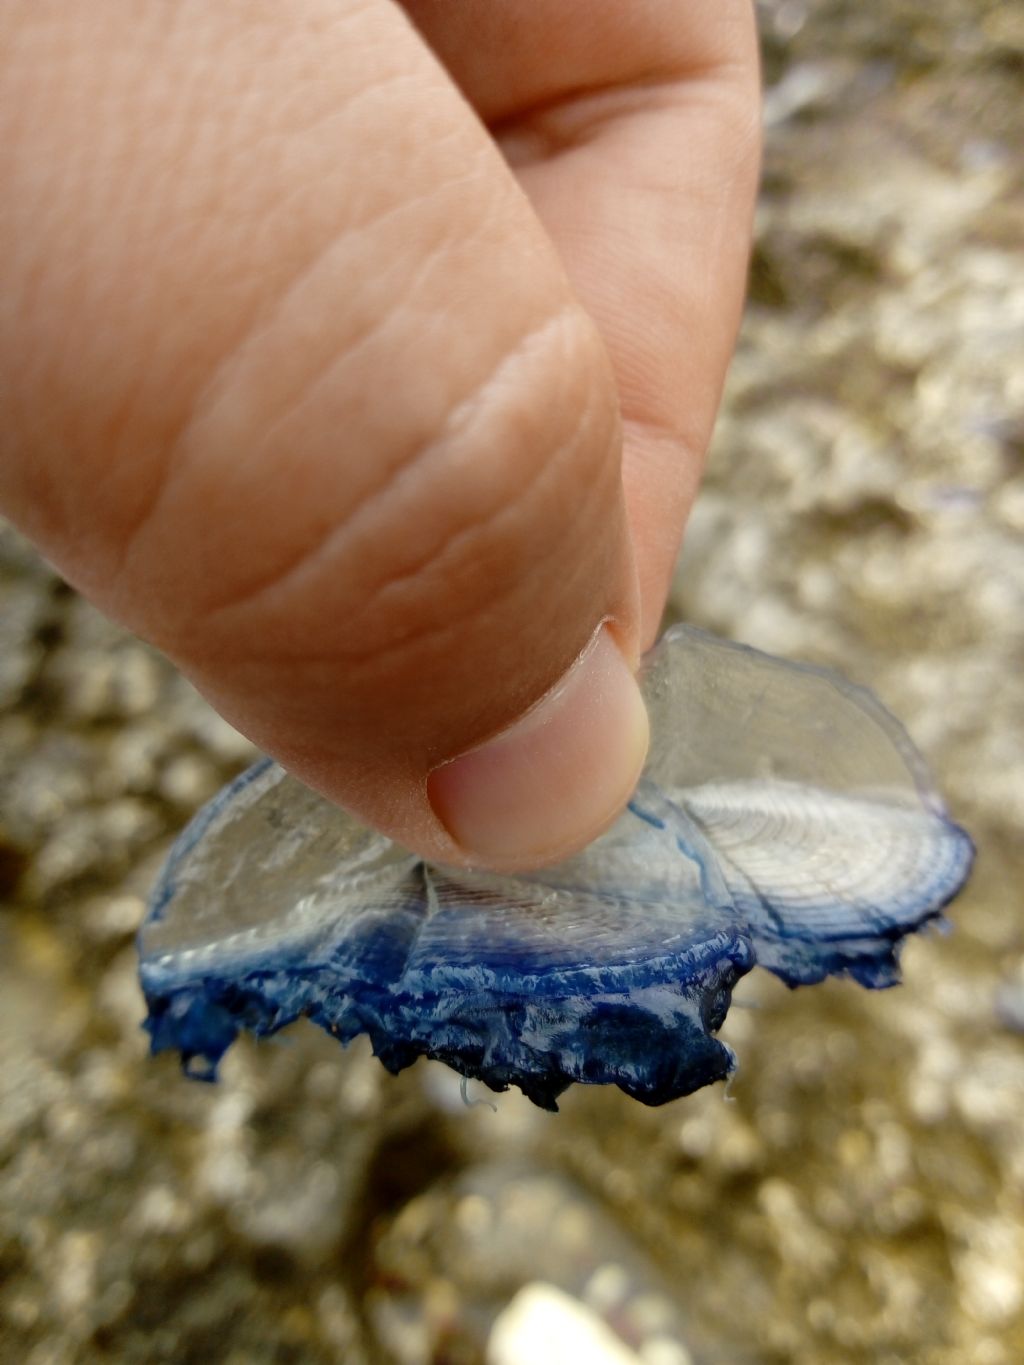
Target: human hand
column 367, row 369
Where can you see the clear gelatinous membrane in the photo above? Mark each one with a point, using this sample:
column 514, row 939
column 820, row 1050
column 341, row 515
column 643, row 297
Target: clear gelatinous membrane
column 784, row 818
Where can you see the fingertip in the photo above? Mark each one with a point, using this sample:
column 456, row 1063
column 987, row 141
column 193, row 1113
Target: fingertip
column 558, row 777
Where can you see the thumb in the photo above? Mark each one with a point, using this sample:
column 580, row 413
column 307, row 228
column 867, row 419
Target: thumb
column 296, row 388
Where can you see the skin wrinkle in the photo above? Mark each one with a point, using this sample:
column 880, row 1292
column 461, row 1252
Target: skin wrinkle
column 175, row 467
column 178, row 466
column 287, row 138
column 364, row 651
column 413, row 754
column 541, row 474
column 379, row 91
column 444, row 634
column 398, row 211
column 456, row 426
column 547, row 52
column 355, row 654
column 447, row 634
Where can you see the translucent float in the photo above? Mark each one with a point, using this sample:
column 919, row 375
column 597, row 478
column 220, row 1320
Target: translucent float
column 784, row 819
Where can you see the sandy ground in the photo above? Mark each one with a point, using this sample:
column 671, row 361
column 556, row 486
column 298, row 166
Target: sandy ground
column 859, row 1194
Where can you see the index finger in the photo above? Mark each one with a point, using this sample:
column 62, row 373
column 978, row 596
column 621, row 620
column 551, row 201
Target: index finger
column 635, row 131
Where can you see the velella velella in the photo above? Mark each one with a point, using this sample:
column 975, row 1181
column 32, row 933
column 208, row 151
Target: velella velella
column 783, row 819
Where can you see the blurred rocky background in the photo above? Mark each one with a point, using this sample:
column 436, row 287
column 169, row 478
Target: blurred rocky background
column 858, row 1195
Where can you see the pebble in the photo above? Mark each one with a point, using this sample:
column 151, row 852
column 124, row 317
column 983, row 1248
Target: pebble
column 544, row 1326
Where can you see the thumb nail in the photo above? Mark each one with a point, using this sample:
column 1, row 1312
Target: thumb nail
column 558, row 777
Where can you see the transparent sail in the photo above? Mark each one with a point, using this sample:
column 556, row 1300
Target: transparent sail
column 784, row 818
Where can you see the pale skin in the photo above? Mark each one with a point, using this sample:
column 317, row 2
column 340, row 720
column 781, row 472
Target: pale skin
column 363, row 357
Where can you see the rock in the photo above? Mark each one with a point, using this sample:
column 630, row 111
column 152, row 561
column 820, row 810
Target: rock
column 544, row 1326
